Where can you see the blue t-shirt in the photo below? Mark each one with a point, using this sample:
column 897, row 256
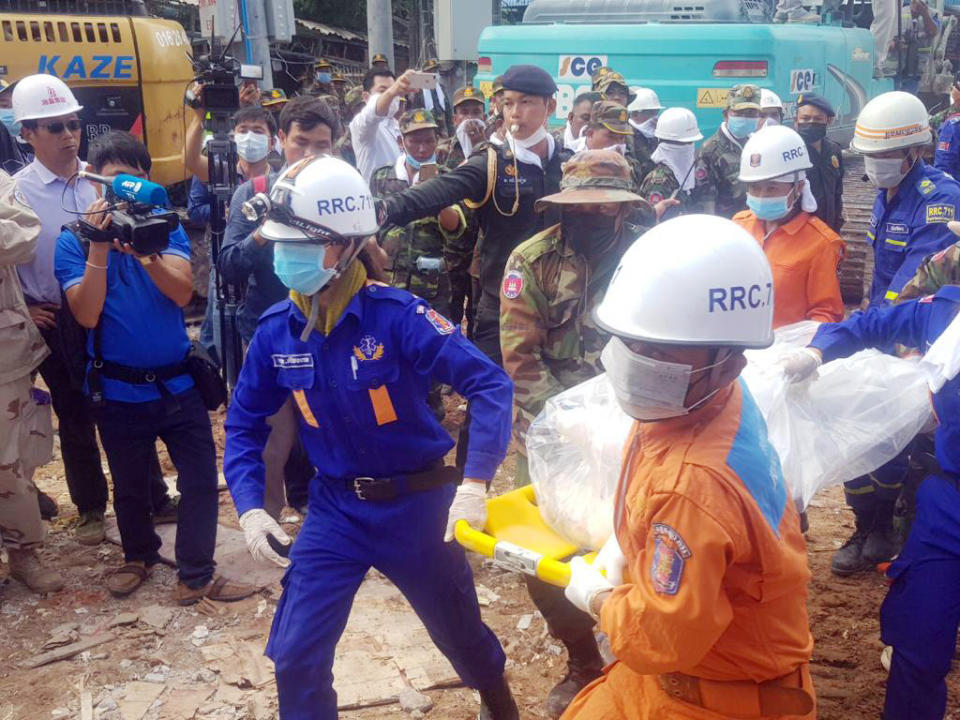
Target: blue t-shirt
column 140, row 326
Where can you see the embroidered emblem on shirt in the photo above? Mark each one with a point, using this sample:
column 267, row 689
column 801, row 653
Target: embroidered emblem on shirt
column 940, row 213
column 670, row 554
column 439, row 322
column 943, row 146
column 926, row 186
column 368, row 349
column 835, row 162
column 291, row 362
column 512, row 285
column 510, row 170
column 701, row 174
column 655, row 197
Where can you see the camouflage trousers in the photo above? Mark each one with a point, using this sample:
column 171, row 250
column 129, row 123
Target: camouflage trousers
column 20, row 524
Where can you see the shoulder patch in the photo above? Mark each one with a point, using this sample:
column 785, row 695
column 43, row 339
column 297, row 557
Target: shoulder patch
column 944, row 146
column 655, row 197
column 701, row 173
column 926, row 186
column 439, row 322
column 942, row 213
column 670, row 554
column 512, row 284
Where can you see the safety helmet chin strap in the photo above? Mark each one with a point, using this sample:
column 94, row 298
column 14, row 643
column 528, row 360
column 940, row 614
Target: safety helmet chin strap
column 345, row 261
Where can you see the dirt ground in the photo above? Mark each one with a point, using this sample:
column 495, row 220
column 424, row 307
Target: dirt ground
column 155, row 667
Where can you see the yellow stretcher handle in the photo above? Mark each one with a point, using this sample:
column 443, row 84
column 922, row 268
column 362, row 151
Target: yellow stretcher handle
column 511, row 556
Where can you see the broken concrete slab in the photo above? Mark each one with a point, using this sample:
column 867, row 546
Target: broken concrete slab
column 123, row 619
column 138, row 698
column 156, row 616
column 412, row 701
column 182, row 703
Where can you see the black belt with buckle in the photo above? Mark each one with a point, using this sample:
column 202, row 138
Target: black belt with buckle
column 390, row 488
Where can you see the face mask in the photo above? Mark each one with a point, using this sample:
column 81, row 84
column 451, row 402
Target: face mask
column 589, row 233
column 6, row 117
column 299, row 266
column 414, row 163
column 770, row 122
column 770, row 208
column 252, row 147
column 620, row 148
column 323, row 78
column 741, row 127
column 649, row 389
column 884, row 172
column 812, row 132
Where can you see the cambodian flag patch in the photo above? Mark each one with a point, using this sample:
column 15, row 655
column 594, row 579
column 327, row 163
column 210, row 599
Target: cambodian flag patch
column 670, row 554
column 439, row 322
column 512, row 285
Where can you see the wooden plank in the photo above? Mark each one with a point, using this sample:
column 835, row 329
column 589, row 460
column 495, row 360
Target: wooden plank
column 68, row 651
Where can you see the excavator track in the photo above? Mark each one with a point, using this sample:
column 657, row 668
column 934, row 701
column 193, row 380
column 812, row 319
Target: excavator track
column 856, row 269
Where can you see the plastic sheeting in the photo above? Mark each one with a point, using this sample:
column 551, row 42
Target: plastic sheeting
column 857, row 415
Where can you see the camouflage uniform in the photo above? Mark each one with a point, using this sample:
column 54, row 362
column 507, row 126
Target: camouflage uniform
column 718, row 166
column 23, row 351
column 547, row 334
column 352, row 102
column 661, row 183
column 938, row 270
column 613, row 117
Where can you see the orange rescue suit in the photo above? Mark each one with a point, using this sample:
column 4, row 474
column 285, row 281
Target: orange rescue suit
column 804, row 254
column 712, row 540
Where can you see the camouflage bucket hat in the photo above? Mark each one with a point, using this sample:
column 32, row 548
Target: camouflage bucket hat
column 353, row 96
column 603, row 84
column 598, row 75
column 743, row 97
column 418, row 119
column 613, row 116
column 593, row 176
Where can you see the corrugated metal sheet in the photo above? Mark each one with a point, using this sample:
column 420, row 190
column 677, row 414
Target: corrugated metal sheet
column 331, row 30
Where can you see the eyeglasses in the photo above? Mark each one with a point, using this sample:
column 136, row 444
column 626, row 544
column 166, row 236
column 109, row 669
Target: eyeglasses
column 56, row 128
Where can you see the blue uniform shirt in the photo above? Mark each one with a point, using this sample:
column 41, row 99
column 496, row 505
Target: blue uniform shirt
column 917, row 324
column 947, row 156
column 139, row 326
column 198, row 202
column 912, row 226
column 362, row 393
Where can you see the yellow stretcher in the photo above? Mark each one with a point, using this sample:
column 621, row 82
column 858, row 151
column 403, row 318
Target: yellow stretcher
column 518, row 539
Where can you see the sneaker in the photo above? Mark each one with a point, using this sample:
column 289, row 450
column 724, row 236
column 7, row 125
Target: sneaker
column 25, row 566
column 90, row 531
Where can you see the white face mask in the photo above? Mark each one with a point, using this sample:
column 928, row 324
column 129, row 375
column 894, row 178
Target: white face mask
column 884, row 172
column 252, row 147
column 649, row 389
column 539, row 135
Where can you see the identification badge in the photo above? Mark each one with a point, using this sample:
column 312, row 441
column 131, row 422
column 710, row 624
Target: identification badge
column 292, row 362
column 670, row 554
column 940, row 213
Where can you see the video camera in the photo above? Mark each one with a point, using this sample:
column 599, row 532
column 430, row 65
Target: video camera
column 140, row 225
column 220, row 77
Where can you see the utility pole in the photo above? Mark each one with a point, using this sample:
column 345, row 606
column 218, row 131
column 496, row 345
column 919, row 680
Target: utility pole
column 256, row 29
column 380, row 29
column 496, row 12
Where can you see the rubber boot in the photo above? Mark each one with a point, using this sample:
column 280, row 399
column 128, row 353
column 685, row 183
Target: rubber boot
column 849, row 559
column 584, row 665
column 497, row 703
column 25, row 566
column 883, row 542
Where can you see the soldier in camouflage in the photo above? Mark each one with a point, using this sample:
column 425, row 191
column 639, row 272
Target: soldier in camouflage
column 674, row 176
column 550, row 343
column 718, row 167
column 352, row 104
column 469, row 122
column 942, row 268
column 569, row 137
column 609, row 128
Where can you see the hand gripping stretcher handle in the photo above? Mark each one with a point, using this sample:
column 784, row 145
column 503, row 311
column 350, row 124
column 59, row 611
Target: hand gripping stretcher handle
column 513, row 557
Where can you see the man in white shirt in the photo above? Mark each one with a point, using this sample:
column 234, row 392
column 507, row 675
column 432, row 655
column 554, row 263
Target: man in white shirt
column 374, row 130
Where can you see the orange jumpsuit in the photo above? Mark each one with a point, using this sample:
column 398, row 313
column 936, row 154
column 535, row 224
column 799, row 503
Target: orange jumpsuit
column 711, row 534
column 804, row 254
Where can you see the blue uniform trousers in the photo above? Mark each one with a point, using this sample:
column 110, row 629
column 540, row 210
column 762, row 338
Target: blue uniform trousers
column 343, row 537
column 921, row 613
column 883, row 485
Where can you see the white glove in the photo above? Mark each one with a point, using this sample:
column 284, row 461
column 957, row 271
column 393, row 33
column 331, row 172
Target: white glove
column 610, row 561
column 586, row 583
column 470, row 504
column 257, row 526
column 800, row 364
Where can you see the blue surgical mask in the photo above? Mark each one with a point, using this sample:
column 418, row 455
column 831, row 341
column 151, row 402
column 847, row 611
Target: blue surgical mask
column 6, row 117
column 769, row 208
column 323, row 77
column 741, row 127
column 415, row 164
column 299, row 266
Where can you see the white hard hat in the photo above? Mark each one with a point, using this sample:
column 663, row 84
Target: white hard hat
column 646, row 99
column 890, row 121
column 318, row 196
column 679, row 125
column 769, row 99
column 693, row 280
column 42, row 96
column 772, row 152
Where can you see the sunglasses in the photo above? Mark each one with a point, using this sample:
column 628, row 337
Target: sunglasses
column 57, row 127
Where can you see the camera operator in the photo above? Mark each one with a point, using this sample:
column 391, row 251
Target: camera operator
column 47, row 111
column 131, row 305
column 308, row 127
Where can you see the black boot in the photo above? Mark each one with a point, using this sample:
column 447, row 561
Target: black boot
column 883, row 542
column 584, row 665
column 849, row 559
column 497, row 703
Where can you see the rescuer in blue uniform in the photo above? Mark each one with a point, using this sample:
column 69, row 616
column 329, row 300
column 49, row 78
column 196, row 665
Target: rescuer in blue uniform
column 921, row 613
column 358, row 358
column 910, row 214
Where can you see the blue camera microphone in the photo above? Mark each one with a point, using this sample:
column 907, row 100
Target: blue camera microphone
column 132, row 188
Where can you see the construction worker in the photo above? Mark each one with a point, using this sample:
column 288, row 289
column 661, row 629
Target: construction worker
column 919, row 615
column 803, row 252
column 644, row 110
column 914, row 203
column 713, row 622
column 550, row 343
column 609, row 129
column 674, row 160
column 468, row 122
column 358, row 357
column 814, row 115
column 718, row 166
column 771, row 108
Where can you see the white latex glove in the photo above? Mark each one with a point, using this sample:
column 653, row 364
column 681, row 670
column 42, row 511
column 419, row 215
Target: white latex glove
column 800, row 364
column 257, row 526
column 470, row 504
column 610, row 561
column 586, row 583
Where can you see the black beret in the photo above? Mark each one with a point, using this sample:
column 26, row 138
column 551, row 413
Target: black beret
column 817, row 101
column 530, row 80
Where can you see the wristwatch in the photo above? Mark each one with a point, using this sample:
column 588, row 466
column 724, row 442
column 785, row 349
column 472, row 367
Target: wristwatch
column 148, row 259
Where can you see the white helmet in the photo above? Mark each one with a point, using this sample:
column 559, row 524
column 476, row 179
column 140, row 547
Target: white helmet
column 42, row 96
column 890, row 121
column 693, row 280
column 320, row 199
column 679, row 125
column 772, row 152
column 769, row 100
column 646, row 99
